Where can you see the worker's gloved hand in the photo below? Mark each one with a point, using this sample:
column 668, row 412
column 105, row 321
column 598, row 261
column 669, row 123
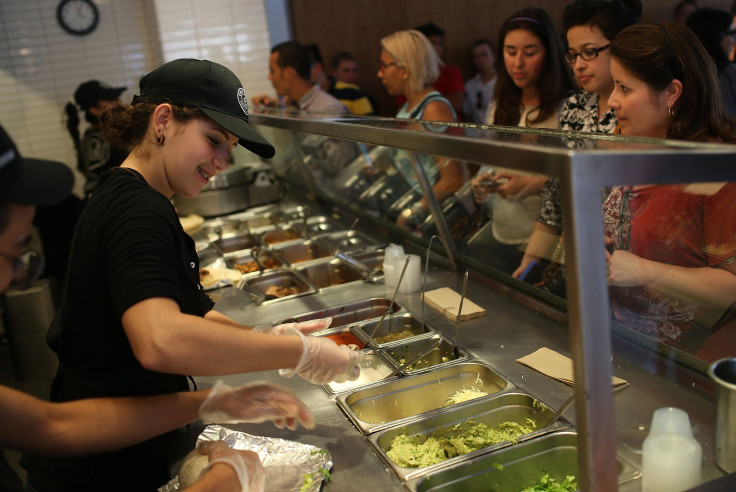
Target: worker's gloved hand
column 306, row 327
column 255, row 402
column 323, row 361
column 247, row 464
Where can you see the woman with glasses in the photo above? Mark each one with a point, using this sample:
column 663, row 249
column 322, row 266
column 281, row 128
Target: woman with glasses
column 408, row 66
column 590, row 27
column 714, row 28
column 672, row 269
column 533, row 82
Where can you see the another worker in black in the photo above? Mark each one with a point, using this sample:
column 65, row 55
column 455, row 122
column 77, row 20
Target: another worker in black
column 94, row 154
column 134, row 319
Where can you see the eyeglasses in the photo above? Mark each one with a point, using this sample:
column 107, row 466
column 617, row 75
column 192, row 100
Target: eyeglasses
column 479, row 104
column 587, row 54
column 26, row 268
column 383, row 65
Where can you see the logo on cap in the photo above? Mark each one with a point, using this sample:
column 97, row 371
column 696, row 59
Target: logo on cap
column 6, row 158
column 242, row 101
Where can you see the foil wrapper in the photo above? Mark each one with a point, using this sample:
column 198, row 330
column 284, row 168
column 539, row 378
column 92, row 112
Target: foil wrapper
column 287, row 463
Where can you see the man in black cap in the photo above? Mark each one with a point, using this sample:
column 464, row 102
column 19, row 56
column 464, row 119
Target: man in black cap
column 59, row 429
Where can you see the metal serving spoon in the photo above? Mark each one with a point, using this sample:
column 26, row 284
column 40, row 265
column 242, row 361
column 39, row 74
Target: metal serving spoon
column 434, row 345
column 393, row 298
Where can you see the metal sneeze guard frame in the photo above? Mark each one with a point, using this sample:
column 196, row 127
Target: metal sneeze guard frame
column 616, row 161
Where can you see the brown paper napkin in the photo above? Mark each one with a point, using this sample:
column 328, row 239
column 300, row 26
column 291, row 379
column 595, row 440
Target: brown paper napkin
column 559, row 367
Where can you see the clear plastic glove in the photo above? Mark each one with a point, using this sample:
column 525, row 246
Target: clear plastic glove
column 306, row 327
column 247, row 464
column 255, row 402
column 323, row 361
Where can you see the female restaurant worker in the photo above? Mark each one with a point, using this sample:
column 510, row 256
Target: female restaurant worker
column 533, row 82
column 133, row 318
column 672, row 270
column 590, row 27
column 408, row 66
column 32, row 425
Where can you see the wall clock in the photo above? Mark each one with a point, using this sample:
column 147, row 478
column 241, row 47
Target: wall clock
column 78, row 17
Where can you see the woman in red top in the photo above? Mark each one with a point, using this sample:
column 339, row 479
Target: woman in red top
column 671, row 270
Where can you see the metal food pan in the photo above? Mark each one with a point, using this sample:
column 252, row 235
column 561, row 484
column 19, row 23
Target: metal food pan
column 347, row 313
column 229, row 243
column 301, row 252
column 335, row 333
column 220, row 226
column 508, row 407
column 245, row 258
column 373, row 369
column 371, row 259
column 348, row 241
column 330, row 273
column 392, row 403
column 279, row 235
column 259, row 284
column 393, row 326
column 401, row 351
column 321, row 224
column 516, row 467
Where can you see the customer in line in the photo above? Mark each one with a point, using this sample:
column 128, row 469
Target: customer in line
column 103, row 424
column 590, row 27
column 479, row 88
column 533, row 83
column 715, row 30
column 671, row 272
column 133, row 318
column 408, row 65
column 289, row 73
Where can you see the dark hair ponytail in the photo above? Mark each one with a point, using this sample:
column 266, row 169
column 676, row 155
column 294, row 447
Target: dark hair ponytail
column 72, row 125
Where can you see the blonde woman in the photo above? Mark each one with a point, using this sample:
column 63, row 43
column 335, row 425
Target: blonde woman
column 408, row 66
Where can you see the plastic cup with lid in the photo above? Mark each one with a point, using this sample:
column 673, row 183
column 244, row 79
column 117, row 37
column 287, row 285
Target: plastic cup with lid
column 392, row 256
column 671, row 457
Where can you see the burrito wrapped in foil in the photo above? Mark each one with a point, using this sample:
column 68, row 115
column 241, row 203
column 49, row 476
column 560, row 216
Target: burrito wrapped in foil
column 289, row 465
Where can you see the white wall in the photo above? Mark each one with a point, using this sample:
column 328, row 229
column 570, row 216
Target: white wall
column 41, row 65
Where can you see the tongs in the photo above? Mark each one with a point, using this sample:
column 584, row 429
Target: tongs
column 347, row 233
column 305, row 221
column 460, row 309
column 255, row 253
column 434, row 345
column 393, row 299
column 559, row 412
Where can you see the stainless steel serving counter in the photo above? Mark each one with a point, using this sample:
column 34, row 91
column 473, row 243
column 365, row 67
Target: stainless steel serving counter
column 508, row 332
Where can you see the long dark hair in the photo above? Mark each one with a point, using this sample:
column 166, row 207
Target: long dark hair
column 556, row 80
column 608, row 16
column 659, row 53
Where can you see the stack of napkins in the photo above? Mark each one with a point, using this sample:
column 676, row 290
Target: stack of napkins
column 559, row 367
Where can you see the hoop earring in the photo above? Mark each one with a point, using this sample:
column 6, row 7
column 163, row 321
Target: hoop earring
column 160, row 138
column 670, row 111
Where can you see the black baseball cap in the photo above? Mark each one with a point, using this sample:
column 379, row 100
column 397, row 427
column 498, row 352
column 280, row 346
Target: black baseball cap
column 31, row 181
column 210, row 87
column 91, row 92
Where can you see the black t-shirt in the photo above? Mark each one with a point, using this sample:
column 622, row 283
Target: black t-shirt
column 128, row 246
